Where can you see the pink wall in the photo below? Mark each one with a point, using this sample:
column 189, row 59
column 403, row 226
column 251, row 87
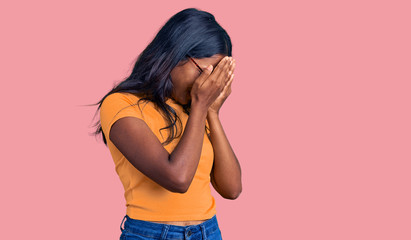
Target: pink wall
column 319, row 116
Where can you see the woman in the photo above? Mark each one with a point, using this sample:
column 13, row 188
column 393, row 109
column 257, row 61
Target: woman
column 163, row 131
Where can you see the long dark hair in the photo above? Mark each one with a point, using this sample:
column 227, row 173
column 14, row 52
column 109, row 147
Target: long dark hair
column 190, row 32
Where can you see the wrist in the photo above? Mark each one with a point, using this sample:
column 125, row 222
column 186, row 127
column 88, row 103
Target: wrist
column 198, row 106
column 212, row 114
column 198, row 111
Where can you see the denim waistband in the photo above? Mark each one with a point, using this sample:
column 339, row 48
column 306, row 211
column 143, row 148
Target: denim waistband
column 160, row 231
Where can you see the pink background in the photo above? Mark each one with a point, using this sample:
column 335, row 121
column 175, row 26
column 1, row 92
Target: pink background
column 319, row 116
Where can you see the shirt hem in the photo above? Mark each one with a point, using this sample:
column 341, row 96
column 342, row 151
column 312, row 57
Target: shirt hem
column 151, row 217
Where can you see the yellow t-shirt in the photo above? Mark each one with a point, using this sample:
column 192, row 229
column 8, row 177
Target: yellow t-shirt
column 145, row 199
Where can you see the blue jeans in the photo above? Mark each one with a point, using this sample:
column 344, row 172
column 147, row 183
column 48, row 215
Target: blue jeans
column 141, row 230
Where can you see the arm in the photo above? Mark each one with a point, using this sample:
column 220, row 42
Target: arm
column 226, row 172
column 175, row 171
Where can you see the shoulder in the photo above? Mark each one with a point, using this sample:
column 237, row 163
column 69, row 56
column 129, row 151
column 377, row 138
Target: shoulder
column 121, row 103
column 121, row 97
column 121, row 100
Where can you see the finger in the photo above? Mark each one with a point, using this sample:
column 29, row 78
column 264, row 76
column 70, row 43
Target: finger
column 232, row 66
column 230, row 80
column 228, row 84
column 230, row 72
column 204, row 75
column 221, row 67
column 227, row 89
column 225, row 73
column 220, row 73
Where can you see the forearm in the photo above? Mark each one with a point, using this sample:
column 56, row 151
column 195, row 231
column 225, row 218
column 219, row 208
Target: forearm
column 226, row 171
column 185, row 157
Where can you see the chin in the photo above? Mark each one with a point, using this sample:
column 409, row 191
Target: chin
column 181, row 101
column 185, row 101
column 188, row 99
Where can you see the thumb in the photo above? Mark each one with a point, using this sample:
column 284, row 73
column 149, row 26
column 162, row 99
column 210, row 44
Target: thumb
column 209, row 69
column 204, row 75
column 206, row 72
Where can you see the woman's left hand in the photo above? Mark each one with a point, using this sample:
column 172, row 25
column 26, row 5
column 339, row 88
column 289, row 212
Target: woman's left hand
column 216, row 105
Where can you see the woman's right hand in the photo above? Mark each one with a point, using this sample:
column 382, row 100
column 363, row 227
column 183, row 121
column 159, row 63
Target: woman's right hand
column 208, row 86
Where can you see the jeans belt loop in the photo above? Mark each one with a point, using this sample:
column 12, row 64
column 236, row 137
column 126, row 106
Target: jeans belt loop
column 203, row 231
